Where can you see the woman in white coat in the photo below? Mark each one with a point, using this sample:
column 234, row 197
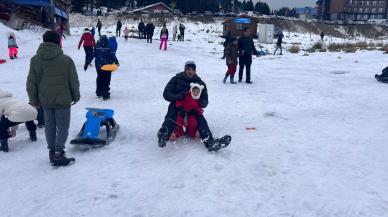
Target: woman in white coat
column 14, row 112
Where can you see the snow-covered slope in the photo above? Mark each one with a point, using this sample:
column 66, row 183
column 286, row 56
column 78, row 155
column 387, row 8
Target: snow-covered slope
column 318, row 148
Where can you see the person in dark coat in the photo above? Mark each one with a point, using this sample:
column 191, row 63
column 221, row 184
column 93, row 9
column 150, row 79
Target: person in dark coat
column 246, row 49
column 228, row 39
column 118, row 28
column 322, row 36
column 175, row 90
column 89, row 43
column 182, row 31
column 279, row 44
column 99, row 26
column 141, row 28
column 231, row 60
column 104, row 55
column 149, row 31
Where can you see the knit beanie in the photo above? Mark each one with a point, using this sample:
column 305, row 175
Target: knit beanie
column 190, row 64
column 51, row 36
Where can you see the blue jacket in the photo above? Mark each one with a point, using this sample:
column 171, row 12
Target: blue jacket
column 113, row 43
column 104, row 54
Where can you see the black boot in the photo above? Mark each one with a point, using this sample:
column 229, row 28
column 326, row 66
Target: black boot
column 232, row 80
column 51, row 156
column 60, row 159
column 378, row 77
column 226, row 77
column 33, row 135
column 217, row 144
column 162, row 137
column 4, row 145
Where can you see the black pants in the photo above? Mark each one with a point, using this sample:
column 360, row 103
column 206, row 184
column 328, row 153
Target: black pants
column 89, row 56
column 118, row 32
column 182, row 35
column 141, row 34
column 5, row 124
column 170, row 123
column 149, row 38
column 99, row 31
column 247, row 62
column 103, row 83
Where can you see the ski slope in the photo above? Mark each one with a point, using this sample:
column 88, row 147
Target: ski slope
column 319, row 147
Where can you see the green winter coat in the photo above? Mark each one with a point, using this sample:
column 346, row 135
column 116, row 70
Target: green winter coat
column 52, row 81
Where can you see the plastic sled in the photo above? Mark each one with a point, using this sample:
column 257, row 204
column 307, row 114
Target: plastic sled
column 109, row 67
column 91, row 133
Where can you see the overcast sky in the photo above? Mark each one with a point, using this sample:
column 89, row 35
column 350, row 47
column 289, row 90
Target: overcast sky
column 276, row 4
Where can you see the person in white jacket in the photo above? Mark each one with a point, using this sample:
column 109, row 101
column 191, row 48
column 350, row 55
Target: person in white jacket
column 14, row 112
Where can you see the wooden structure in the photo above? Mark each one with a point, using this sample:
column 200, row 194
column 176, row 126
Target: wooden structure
column 47, row 13
column 158, row 8
column 236, row 25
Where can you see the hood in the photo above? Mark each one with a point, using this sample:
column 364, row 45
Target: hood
column 49, row 50
column 103, row 42
column 200, row 87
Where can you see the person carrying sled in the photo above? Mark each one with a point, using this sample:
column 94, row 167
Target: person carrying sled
column 163, row 37
column 118, row 28
column 141, row 28
column 12, row 46
column 53, row 83
column 246, row 49
column 88, row 43
column 231, row 53
column 187, row 110
column 176, row 89
column 279, row 44
column 12, row 113
column 104, row 55
column 126, row 33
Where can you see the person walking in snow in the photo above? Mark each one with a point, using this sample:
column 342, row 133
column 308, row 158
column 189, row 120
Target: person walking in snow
column 118, row 28
column 149, row 31
column 126, row 33
column 12, row 113
column 182, row 31
column 175, row 90
column 52, row 83
column 231, row 53
column 163, row 37
column 227, row 41
column 279, row 44
column 187, row 110
column 89, row 43
column 12, row 46
column 99, row 26
column 174, row 33
column 113, row 43
column 141, row 28
column 104, row 55
column 246, row 49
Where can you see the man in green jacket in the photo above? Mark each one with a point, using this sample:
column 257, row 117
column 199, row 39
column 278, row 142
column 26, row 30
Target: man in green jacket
column 53, row 84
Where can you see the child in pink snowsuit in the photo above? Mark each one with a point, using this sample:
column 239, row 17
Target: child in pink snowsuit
column 163, row 37
column 12, row 47
column 126, row 33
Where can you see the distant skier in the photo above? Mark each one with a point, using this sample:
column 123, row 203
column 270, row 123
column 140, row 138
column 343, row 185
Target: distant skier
column 141, row 28
column 12, row 113
column 231, row 53
column 104, row 55
column 118, row 28
column 182, row 31
column 126, row 33
column 163, row 37
column 53, row 83
column 12, row 46
column 279, row 44
column 149, row 31
column 89, row 43
column 99, row 26
column 246, row 49
column 175, row 90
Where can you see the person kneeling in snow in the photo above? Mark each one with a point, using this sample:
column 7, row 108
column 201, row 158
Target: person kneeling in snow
column 14, row 112
column 188, row 109
column 383, row 77
column 176, row 90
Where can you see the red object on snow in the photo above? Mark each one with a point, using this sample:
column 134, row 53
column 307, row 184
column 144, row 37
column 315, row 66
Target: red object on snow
column 2, row 61
column 250, row 128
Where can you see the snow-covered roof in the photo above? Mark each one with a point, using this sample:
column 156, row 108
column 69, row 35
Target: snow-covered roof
column 153, row 5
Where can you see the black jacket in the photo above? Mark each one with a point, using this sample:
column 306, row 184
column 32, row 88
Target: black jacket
column 280, row 41
column 149, row 28
column 119, row 25
column 165, row 32
column 246, row 44
column 179, row 85
column 141, row 26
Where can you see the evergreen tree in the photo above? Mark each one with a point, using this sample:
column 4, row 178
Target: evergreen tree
column 249, row 6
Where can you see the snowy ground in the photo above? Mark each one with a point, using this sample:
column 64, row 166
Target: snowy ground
column 319, row 148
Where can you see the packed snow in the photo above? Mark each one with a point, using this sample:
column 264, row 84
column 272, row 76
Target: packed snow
column 309, row 138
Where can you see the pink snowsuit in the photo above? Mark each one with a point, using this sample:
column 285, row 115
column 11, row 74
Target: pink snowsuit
column 163, row 38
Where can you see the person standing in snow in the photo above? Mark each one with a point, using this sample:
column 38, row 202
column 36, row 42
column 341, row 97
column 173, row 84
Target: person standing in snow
column 126, row 33
column 322, row 36
column 12, row 113
column 89, row 43
column 174, row 33
column 52, row 83
column 104, row 56
column 163, row 37
column 231, row 53
column 279, row 44
column 227, row 41
column 141, row 28
column 246, row 49
column 182, row 31
column 99, row 26
column 118, row 28
column 12, row 46
column 175, row 90
column 149, row 31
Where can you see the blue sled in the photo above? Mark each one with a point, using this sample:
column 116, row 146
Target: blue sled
column 90, row 132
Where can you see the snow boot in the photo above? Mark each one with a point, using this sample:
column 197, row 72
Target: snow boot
column 60, row 159
column 85, row 67
column 15, row 56
column 33, row 135
column 51, row 156
column 226, row 77
column 378, row 77
column 217, row 144
column 162, row 137
column 4, row 145
column 232, row 80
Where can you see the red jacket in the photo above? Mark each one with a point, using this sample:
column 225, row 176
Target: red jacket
column 88, row 40
column 188, row 104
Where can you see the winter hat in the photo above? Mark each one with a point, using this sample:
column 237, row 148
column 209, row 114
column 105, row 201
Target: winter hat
column 195, row 85
column 190, row 64
column 51, row 36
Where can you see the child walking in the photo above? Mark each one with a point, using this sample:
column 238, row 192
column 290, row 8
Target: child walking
column 231, row 54
column 12, row 46
column 126, row 33
column 163, row 37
